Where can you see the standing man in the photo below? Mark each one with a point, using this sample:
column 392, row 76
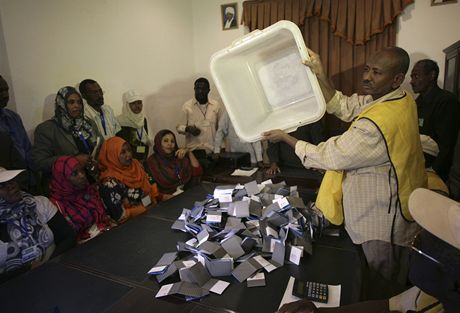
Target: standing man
column 199, row 122
column 11, row 124
column 234, row 143
column 438, row 117
column 96, row 110
column 372, row 167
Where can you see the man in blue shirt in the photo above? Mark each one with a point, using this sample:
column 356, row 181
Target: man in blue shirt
column 11, row 123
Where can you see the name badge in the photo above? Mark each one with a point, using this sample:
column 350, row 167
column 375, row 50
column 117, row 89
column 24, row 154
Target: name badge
column 146, row 200
column 420, row 122
column 140, row 149
column 29, row 254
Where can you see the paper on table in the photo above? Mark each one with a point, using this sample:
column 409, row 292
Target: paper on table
column 333, row 297
column 239, row 172
column 164, row 290
column 296, row 254
column 219, row 286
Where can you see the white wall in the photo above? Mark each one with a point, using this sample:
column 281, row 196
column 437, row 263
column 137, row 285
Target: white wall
column 425, row 30
column 208, row 36
column 156, row 46
column 142, row 44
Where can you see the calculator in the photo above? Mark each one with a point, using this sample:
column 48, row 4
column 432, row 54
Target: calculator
column 310, row 290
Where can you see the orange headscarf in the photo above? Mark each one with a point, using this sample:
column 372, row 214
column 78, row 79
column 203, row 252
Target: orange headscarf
column 133, row 176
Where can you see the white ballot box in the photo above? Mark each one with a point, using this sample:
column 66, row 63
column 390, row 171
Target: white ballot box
column 263, row 83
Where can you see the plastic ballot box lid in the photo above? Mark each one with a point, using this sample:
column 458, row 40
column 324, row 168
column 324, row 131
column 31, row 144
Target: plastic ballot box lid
column 263, row 83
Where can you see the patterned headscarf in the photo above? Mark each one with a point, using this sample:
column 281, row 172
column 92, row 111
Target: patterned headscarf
column 133, row 176
column 25, row 229
column 81, row 207
column 167, row 170
column 76, row 126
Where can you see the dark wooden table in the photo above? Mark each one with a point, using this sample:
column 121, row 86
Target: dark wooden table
column 108, row 273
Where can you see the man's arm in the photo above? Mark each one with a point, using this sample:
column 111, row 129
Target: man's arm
column 317, row 68
column 345, row 108
column 360, row 146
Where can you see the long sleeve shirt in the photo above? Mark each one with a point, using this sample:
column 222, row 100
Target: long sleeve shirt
column 283, row 155
column 235, row 144
column 106, row 123
column 205, row 118
column 369, row 185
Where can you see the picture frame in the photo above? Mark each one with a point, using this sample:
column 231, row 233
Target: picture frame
column 439, row 2
column 229, row 15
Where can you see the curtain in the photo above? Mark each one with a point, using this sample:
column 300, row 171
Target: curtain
column 343, row 32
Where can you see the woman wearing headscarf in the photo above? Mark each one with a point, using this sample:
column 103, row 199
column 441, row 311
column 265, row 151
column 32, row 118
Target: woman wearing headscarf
column 125, row 187
column 31, row 228
column 69, row 132
column 172, row 167
column 134, row 128
column 77, row 199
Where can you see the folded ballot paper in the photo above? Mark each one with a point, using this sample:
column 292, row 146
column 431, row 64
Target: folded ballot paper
column 241, row 233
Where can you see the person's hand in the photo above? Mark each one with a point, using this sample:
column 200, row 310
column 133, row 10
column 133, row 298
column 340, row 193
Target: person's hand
column 273, row 169
column 315, row 64
column 193, row 130
column 274, row 135
column 301, row 306
column 215, row 156
column 181, row 153
column 84, row 159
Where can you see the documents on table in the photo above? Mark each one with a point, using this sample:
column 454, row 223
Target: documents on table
column 239, row 172
column 245, row 231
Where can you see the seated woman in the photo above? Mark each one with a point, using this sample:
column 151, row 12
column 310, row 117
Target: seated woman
column 31, row 228
column 69, row 132
column 134, row 128
column 124, row 185
column 172, row 168
column 77, row 199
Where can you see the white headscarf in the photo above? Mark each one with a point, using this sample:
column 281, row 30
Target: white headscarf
column 128, row 117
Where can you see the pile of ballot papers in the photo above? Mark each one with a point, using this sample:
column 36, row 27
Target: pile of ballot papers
column 242, row 231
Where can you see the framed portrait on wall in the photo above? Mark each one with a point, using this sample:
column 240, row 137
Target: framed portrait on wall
column 229, row 15
column 438, row 2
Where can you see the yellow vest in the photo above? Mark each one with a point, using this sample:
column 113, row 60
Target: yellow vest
column 397, row 122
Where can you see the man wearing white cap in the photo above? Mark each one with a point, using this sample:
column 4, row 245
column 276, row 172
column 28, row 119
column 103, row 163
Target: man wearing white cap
column 434, row 266
column 48, row 233
column 134, row 126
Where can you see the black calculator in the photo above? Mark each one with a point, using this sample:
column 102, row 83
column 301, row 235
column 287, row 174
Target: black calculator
column 310, row 290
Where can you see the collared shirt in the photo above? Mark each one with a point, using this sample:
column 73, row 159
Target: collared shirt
column 11, row 123
column 235, row 144
column 369, row 185
column 106, row 122
column 205, row 117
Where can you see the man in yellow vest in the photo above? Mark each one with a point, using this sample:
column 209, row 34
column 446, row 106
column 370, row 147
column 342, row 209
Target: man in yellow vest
column 371, row 168
column 434, row 264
